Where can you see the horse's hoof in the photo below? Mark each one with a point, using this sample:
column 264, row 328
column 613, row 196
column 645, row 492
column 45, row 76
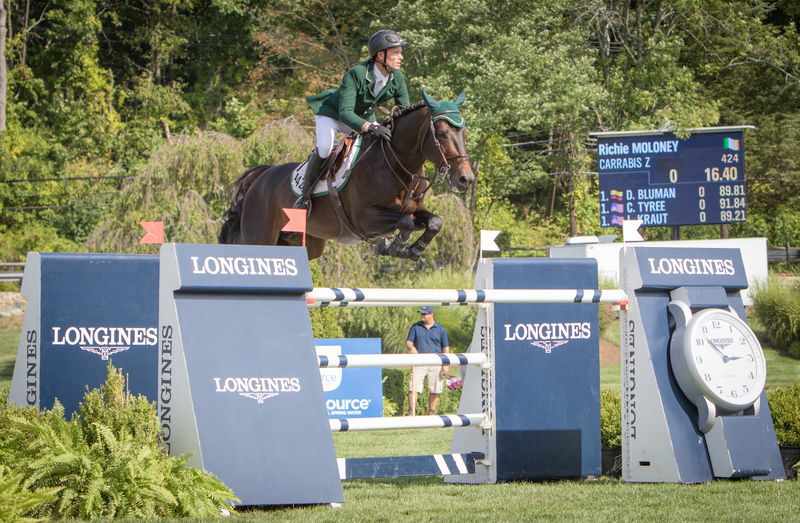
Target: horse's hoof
column 398, row 251
column 414, row 254
column 381, row 247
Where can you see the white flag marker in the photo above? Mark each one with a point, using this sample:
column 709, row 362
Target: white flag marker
column 487, row 241
column 630, row 231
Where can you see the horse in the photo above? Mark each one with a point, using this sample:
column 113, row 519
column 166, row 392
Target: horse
column 385, row 192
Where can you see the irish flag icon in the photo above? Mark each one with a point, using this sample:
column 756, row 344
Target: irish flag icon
column 730, row 143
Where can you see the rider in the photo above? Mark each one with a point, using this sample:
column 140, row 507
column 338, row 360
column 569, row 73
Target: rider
column 352, row 106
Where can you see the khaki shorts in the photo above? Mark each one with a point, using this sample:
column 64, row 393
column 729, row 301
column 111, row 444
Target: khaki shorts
column 435, row 380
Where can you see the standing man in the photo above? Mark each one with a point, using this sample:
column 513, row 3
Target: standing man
column 427, row 336
column 351, row 107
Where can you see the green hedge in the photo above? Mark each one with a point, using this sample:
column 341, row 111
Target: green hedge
column 777, row 307
column 784, row 402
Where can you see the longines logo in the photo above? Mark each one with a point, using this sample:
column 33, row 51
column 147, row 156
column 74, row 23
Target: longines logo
column 721, row 342
column 244, row 266
column 257, row 388
column 105, row 341
column 548, row 336
column 699, row 266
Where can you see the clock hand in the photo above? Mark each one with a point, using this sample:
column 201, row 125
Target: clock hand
column 716, row 349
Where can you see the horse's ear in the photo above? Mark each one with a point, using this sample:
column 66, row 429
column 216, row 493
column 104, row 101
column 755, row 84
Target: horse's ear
column 460, row 98
column 430, row 102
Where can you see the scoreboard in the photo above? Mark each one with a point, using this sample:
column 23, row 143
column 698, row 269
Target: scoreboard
column 660, row 179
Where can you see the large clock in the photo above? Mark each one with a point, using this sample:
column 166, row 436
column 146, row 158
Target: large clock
column 717, row 362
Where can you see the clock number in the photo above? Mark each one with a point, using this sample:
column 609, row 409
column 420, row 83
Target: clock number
column 750, row 359
column 734, row 394
column 699, row 342
column 707, row 377
column 719, row 389
column 715, row 324
column 745, row 388
column 698, row 359
column 705, row 329
column 742, row 339
column 751, row 376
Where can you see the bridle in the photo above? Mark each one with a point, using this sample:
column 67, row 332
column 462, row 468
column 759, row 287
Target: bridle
column 443, row 170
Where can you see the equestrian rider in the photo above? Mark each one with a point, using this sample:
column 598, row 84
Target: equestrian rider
column 352, row 106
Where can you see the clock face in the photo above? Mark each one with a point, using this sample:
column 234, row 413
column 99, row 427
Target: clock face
column 725, row 358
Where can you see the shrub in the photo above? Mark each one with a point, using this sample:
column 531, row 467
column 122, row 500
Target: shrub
column 784, row 402
column 393, row 389
column 16, row 500
column 106, row 462
column 610, row 419
column 777, row 307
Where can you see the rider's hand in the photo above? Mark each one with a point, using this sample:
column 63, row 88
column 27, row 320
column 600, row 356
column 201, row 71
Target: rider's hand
column 380, row 131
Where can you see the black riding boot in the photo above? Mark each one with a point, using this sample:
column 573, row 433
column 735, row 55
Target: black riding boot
column 312, row 169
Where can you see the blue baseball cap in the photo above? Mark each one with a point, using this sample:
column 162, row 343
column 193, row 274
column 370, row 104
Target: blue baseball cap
column 426, row 310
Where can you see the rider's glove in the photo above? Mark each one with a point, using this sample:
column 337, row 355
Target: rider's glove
column 380, row 131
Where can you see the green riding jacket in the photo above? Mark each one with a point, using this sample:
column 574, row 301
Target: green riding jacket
column 353, row 102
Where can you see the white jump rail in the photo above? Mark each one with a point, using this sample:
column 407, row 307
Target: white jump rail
column 339, row 297
column 409, row 422
column 402, row 360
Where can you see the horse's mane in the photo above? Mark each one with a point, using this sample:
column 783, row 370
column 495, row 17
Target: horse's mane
column 399, row 113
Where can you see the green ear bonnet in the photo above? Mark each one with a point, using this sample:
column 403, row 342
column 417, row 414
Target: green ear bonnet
column 446, row 110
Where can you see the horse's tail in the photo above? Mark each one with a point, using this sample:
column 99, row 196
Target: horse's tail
column 232, row 218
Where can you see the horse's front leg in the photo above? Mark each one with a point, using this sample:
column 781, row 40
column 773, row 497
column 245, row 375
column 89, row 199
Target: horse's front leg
column 432, row 224
column 398, row 247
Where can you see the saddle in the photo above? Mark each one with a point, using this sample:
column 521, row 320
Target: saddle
column 335, row 168
column 336, row 159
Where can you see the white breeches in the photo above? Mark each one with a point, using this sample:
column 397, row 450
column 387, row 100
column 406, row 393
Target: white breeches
column 326, row 134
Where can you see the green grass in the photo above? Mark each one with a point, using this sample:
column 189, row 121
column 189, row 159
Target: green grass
column 609, row 376
column 392, row 442
column 430, row 499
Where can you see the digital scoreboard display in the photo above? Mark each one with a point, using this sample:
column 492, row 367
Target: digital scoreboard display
column 663, row 180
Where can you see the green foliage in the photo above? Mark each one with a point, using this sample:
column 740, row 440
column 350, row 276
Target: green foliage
column 610, row 419
column 395, row 388
column 237, row 119
column 324, row 321
column 277, row 142
column 149, row 110
column 34, row 237
column 107, row 462
column 784, row 402
column 777, row 307
column 16, row 500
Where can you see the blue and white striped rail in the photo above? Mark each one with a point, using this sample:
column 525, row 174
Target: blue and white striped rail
column 341, row 297
column 402, row 360
column 408, row 422
column 405, row 466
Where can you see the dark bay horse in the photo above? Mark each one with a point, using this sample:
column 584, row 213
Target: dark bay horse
column 384, row 194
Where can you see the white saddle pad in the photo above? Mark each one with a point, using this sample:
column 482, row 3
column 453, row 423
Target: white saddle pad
column 339, row 180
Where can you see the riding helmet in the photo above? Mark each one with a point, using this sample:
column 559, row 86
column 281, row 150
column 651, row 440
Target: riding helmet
column 382, row 40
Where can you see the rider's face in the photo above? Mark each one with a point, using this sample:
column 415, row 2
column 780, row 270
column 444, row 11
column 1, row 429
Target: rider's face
column 394, row 58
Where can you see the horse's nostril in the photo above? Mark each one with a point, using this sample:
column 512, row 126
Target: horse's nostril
column 463, row 180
